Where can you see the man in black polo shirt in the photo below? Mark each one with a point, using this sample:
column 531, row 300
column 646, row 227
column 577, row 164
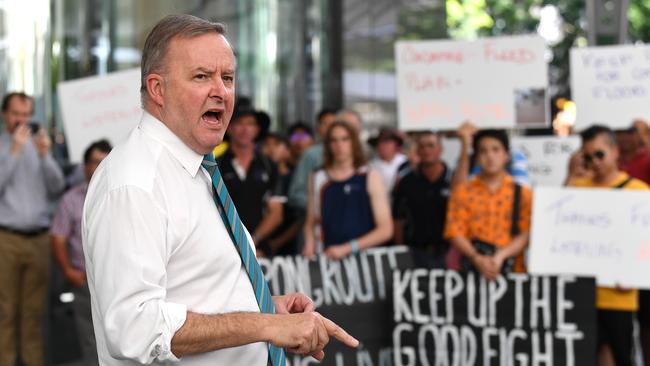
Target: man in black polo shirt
column 420, row 204
column 252, row 179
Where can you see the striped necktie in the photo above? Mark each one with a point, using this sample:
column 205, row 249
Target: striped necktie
column 236, row 230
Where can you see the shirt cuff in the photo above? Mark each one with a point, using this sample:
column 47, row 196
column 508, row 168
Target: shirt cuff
column 175, row 316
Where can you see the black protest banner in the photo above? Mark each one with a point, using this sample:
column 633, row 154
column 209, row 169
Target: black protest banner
column 355, row 292
column 447, row 318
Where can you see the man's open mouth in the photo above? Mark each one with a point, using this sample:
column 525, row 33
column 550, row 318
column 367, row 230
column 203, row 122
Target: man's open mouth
column 212, row 116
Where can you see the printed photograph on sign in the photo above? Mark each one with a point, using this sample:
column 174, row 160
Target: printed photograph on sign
column 530, row 108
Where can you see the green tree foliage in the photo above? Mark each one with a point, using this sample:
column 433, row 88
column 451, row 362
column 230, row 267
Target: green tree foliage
column 639, row 17
column 479, row 18
column 469, row 19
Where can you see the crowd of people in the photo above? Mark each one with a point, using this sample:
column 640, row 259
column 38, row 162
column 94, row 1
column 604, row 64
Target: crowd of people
column 308, row 191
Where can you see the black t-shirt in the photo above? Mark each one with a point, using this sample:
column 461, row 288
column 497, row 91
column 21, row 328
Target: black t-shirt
column 251, row 194
column 289, row 217
column 422, row 206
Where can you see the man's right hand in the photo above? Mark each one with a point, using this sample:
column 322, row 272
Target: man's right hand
column 306, row 333
column 21, row 135
column 76, row 277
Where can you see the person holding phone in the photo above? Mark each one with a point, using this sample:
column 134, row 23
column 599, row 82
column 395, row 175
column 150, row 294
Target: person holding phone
column 29, row 180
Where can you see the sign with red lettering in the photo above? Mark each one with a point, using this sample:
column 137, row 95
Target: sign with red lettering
column 493, row 82
column 611, row 85
column 99, row 107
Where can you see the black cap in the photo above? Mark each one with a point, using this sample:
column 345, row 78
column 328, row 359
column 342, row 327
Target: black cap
column 243, row 108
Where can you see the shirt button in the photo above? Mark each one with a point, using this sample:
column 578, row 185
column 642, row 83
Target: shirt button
column 155, row 352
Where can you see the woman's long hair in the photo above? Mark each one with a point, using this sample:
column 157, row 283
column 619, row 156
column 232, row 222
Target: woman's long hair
column 359, row 158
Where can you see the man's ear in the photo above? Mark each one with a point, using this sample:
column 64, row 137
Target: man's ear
column 156, row 88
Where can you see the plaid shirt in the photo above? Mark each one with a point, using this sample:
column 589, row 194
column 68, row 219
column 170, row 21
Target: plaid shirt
column 67, row 222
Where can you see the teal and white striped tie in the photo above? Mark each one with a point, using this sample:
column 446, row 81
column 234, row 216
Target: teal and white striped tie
column 235, row 228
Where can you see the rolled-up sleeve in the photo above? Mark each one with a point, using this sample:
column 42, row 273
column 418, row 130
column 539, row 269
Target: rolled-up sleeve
column 126, row 256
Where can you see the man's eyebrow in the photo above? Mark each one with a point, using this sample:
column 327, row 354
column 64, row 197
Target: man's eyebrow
column 204, row 70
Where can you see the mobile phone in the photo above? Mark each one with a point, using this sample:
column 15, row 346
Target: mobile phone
column 34, row 127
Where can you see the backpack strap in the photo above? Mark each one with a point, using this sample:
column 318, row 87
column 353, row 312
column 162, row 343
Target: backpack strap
column 624, row 183
column 514, row 230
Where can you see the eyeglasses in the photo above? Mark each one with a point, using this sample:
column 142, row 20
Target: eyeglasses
column 589, row 158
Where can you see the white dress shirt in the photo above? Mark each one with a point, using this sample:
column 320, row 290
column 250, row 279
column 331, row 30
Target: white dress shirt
column 155, row 248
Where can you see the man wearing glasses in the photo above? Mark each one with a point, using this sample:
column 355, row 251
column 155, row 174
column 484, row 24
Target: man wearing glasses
column 616, row 306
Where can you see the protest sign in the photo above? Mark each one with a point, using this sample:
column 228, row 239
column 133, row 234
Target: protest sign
column 355, row 293
column 99, row 107
column 447, row 318
column 592, row 232
column 493, row 82
column 547, row 157
column 610, row 84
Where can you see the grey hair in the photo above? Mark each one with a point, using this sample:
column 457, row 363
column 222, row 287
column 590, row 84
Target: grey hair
column 349, row 111
column 158, row 40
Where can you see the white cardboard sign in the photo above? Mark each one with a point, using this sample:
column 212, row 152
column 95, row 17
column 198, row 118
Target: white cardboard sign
column 547, row 156
column 611, row 85
column 603, row 233
column 493, row 82
column 97, row 107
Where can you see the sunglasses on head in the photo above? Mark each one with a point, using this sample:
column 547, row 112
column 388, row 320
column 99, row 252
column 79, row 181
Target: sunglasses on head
column 298, row 136
column 599, row 154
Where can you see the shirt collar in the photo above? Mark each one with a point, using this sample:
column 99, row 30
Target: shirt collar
column 189, row 159
column 507, row 180
column 622, row 176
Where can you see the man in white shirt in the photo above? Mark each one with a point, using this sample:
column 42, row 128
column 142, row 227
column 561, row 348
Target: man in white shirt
column 388, row 158
column 167, row 283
